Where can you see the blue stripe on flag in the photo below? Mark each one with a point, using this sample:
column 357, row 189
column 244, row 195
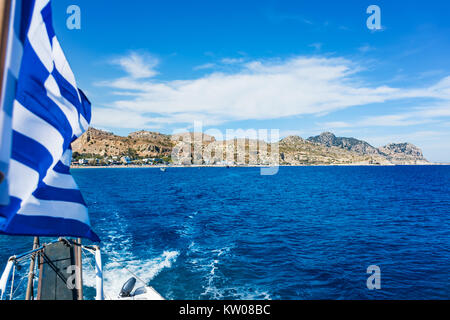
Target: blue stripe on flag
column 67, row 90
column 49, row 111
column 45, row 192
column 49, row 227
column 9, row 210
column 8, row 99
column 32, row 71
column 86, row 109
column 61, row 168
column 47, row 16
column 37, row 157
column 32, row 94
column 26, row 15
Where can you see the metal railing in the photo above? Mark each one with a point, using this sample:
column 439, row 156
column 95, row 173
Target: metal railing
column 14, row 260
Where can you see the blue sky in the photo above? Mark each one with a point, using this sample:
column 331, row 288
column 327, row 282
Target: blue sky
column 303, row 67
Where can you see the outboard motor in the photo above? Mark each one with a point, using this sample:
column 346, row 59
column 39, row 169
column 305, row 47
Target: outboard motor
column 140, row 291
column 127, row 288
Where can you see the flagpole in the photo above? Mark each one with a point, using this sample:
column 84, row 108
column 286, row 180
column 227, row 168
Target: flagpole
column 30, row 286
column 79, row 274
column 5, row 12
column 5, row 16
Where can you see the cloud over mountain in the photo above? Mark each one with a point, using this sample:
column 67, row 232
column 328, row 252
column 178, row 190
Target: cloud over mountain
column 254, row 90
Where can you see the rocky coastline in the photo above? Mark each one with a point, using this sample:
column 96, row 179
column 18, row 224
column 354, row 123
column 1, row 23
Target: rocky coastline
column 145, row 148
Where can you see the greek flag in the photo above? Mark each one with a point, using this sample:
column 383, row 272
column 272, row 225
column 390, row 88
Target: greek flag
column 49, row 113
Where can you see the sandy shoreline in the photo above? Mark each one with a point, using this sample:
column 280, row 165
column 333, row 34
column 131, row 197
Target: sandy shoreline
column 250, row 166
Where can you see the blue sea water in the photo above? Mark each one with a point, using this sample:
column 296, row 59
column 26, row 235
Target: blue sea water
column 305, row 233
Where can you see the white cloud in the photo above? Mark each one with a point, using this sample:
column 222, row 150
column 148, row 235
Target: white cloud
column 258, row 90
column 138, row 66
column 120, row 119
column 418, row 115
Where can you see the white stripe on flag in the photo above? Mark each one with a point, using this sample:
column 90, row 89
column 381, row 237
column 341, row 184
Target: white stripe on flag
column 32, row 126
column 66, row 158
column 52, row 86
column 59, row 180
column 20, row 172
column 55, row 209
column 69, row 110
column 84, row 123
column 62, row 65
column 38, row 37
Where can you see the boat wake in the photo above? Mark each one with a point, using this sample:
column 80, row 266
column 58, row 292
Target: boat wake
column 120, row 263
column 215, row 283
column 117, row 272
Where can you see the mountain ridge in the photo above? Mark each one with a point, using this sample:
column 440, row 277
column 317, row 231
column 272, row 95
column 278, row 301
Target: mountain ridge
column 324, row 149
column 394, row 152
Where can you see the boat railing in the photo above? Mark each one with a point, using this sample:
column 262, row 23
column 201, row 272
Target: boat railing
column 9, row 271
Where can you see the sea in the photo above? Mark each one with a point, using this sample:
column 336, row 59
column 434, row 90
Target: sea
column 304, row 233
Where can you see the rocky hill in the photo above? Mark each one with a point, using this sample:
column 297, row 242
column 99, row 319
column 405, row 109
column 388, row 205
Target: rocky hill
column 102, row 144
column 351, row 144
column 402, row 153
column 295, row 150
column 203, row 149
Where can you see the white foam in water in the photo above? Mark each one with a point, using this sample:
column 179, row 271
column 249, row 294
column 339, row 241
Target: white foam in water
column 215, row 283
column 116, row 274
column 118, row 254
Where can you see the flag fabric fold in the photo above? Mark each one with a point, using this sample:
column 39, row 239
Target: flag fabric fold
column 49, row 113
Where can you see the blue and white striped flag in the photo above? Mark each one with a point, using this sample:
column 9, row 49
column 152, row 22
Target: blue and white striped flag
column 49, row 113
